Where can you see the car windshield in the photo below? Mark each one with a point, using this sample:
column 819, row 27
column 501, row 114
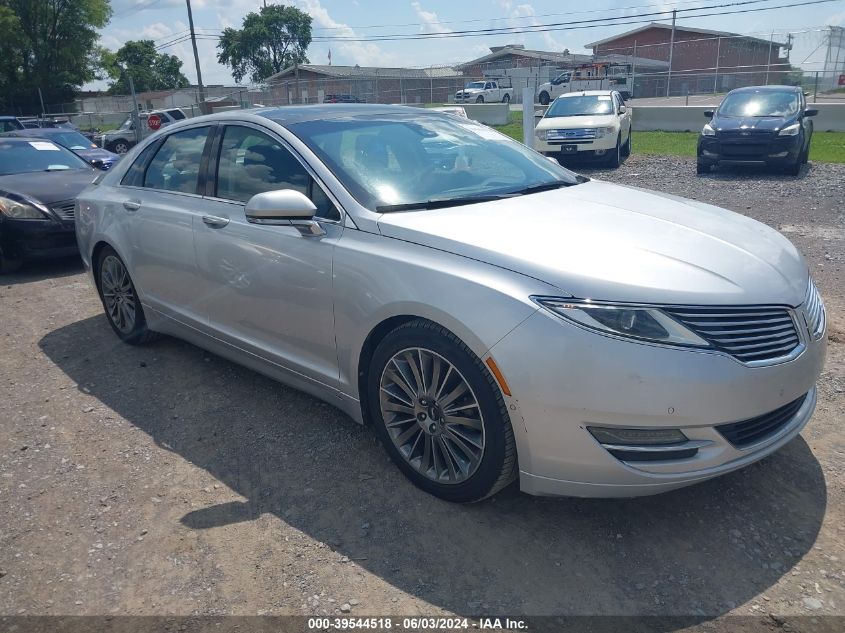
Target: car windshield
column 476, row 84
column 36, row 155
column 585, row 105
column 71, row 140
column 399, row 160
column 127, row 124
column 760, row 104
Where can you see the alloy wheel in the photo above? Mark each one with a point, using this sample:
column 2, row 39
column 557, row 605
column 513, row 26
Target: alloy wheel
column 118, row 294
column 432, row 415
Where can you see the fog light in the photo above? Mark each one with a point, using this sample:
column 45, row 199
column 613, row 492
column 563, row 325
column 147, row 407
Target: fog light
column 636, row 437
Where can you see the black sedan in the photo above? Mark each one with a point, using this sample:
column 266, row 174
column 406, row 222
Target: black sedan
column 767, row 125
column 73, row 140
column 39, row 182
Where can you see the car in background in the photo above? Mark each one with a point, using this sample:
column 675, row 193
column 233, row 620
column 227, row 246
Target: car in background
column 77, row 143
column 39, row 182
column 762, row 125
column 484, row 92
column 592, row 123
column 125, row 137
column 493, row 319
column 342, row 99
column 10, row 124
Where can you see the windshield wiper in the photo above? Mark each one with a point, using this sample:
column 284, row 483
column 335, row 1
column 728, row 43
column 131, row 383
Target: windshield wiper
column 438, row 203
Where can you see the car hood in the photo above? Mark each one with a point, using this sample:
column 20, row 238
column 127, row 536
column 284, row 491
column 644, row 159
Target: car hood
column 571, row 122
column 49, row 187
column 760, row 124
column 97, row 154
column 604, row 241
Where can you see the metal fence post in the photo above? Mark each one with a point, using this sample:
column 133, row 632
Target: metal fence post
column 527, row 118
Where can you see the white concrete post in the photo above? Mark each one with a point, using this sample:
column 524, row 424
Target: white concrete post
column 528, row 117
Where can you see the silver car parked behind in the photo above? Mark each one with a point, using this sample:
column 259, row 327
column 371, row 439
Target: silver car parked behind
column 492, row 315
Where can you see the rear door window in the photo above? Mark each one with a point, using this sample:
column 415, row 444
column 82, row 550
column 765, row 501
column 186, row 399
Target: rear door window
column 176, row 165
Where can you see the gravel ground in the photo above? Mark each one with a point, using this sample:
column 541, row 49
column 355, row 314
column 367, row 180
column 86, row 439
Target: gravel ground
column 165, row 480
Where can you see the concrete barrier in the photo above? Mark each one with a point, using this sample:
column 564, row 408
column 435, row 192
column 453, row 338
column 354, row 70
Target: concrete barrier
column 488, row 113
column 831, row 118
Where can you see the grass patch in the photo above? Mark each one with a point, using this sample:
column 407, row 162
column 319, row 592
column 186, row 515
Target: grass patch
column 826, row 147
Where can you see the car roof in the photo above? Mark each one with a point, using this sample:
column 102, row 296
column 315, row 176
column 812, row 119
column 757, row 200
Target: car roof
column 23, row 138
column 588, row 93
column 768, row 89
column 289, row 115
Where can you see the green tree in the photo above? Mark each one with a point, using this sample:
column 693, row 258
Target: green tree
column 47, row 44
column 150, row 69
column 269, row 41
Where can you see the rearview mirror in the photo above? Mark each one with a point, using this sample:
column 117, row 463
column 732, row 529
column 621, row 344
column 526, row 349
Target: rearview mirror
column 811, row 112
column 708, row 114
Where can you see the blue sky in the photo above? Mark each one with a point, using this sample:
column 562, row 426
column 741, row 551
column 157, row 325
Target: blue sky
column 164, row 20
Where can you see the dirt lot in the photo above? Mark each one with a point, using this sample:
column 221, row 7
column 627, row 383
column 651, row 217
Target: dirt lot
column 165, row 480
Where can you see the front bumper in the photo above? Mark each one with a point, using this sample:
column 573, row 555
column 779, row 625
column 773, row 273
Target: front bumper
column 37, row 239
column 603, row 144
column 577, row 378
column 467, row 98
column 769, row 150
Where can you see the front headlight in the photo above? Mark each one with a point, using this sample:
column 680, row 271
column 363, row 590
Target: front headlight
column 541, row 134
column 20, row 210
column 643, row 323
column 790, row 130
column 605, row 131
column 708, row 130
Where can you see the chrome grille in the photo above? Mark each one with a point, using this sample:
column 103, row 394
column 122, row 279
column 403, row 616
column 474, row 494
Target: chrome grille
column 814, row 311
column 65, row 210
column 571, row 135
column 748, row 333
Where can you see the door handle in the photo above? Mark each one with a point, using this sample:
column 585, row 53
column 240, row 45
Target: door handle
column 214, row 221
column 131, row 205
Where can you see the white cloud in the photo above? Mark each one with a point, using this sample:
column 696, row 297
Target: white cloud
column 363, row 53
column 429, row 22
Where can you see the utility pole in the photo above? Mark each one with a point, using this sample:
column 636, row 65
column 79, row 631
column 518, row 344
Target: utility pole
column 136, row 119
column 196, row 55
column 671, row 51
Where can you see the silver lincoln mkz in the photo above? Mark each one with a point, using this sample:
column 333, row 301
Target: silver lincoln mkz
column 492, row 315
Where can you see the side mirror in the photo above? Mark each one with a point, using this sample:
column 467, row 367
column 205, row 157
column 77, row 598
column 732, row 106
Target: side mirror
column 811, row 112
column 708, row 114
column 98, row 163
column 284, row 207
column 622, row 109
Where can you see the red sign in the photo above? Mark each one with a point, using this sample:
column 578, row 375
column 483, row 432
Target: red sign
column 842, row 80
column 154, row 121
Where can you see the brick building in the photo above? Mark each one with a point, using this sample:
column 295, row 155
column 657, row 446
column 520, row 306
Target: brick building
column 702, row 60
column 310, row 83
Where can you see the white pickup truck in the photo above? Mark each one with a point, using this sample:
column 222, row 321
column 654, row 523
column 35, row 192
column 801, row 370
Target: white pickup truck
column 484, row 92
column 570, row 81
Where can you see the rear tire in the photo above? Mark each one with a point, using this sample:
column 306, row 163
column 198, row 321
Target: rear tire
column 506, row 99
column 461, row 447
column 120, row 300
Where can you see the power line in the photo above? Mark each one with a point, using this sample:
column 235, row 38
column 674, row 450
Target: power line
column 544, row 28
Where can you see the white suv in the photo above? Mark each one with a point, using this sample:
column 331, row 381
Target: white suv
column 594, row 122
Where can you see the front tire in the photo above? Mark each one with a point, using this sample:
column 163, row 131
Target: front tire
column 439, row 414
column 120, row 147
column 120, row 300
column 702, row 168
column 9, row 264
column 479, row 99
column 626, row 148
column 615, row 157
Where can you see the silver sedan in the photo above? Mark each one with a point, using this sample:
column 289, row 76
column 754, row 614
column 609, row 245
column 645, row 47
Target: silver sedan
column 492, row 315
